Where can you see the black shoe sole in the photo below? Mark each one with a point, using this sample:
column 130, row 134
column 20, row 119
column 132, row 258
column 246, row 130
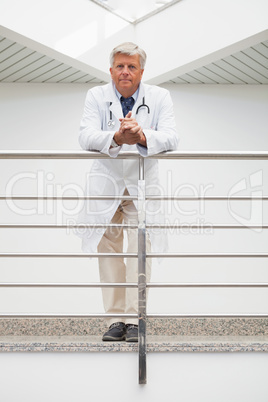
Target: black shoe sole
column 133, row 339
column 113, row 339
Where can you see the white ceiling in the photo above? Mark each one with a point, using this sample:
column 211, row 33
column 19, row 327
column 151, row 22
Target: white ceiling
column 21, row 64
column 249, row 66
column 135, row 12
column 23, row 59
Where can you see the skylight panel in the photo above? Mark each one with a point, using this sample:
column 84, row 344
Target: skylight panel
column 135, row 10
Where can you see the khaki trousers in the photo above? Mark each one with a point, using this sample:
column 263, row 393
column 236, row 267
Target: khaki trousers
column 121, row 300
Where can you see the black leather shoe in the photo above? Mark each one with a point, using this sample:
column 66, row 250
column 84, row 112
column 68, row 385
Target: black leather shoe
column 116, row 332
column 132, row 333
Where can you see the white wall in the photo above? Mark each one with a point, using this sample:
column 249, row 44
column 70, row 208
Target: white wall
column 45, row 116
column 187, row 377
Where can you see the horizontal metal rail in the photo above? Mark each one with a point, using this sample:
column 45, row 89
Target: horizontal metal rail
column 246, row 155
column 67, row 198
column 62, row 315
column 125, row 226
column 68, row 285
column 207, row 285
column 132, row 285
column 225, row 155
column 149, row 315
column 69, row 255
column 63, row 155
column 65, row 226
column 206, row 198
column 204, row 226
column 241, row 315
column 207, row 255
column 134, row 255
column 128, row 197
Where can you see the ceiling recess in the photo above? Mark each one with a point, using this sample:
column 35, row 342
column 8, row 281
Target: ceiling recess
column 20, row 63
column 249, row 66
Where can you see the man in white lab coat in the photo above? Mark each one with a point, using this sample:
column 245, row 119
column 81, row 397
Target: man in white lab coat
column 124, row 115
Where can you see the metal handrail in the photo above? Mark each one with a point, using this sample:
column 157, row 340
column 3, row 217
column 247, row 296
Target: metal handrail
column 188, row 315
column 67, row 197
column 76, row 315
column 69, row 255
column 134, row 255
column 141, row 255
column 68, row 285
column 133, row 285
column 207, row 255
column 65, row 226
column 126, row 226
column 120, row 315
column 246, row 155
column 128, row 197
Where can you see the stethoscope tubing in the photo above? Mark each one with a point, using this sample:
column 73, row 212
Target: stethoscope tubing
column 112, row 123
column 143, row 105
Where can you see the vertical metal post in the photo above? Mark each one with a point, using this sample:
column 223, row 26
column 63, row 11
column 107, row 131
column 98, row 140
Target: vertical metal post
column 142, row 273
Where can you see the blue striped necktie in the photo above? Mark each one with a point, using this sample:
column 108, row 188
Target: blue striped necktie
column 127, row 104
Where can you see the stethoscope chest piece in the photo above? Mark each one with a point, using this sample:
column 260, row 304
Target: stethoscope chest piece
column 111, row 122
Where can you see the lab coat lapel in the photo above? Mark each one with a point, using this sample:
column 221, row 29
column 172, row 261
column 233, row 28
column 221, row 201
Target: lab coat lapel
column 111, row 97
column 116, row 109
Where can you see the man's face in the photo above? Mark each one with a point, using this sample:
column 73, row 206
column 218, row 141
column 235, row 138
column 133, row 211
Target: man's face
column 126, row 73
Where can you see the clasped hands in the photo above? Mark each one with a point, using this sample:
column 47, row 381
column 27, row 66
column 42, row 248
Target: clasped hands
column 129, row 132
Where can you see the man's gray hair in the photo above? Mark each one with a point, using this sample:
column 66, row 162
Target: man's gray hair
column 129, row 49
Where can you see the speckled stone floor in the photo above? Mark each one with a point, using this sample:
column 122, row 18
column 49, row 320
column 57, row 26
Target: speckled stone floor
column 164, row 335
column 156, row 326
column 154, row 344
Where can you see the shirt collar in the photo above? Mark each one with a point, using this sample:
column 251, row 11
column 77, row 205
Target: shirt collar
column 134, row 96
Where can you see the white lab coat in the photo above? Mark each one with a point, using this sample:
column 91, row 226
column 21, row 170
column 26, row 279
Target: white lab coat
column 111, row 176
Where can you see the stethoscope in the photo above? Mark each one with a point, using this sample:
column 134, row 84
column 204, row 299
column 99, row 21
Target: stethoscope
column 111, row 122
